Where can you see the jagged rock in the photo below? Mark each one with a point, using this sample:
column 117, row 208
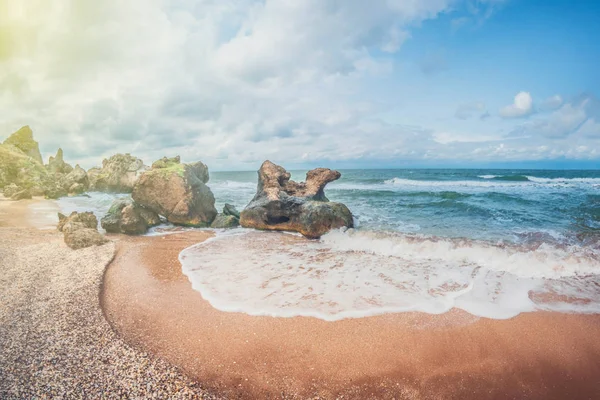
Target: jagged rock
column 285, row 205
column 18, row 168
column 78, row 236
column 57, row 165
column 229, row 209
column 118, row 174
column 9, row 190
column 88, row 219
column 223, row 221
column 77, row 176
column 23, row 140
column 24, row 194
column 178, row 192
column 125, row 216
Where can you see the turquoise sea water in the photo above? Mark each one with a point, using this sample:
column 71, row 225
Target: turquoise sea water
column 494, row 243
column 512, row 205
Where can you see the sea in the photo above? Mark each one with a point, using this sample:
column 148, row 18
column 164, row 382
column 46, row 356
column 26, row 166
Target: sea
column 494, row 243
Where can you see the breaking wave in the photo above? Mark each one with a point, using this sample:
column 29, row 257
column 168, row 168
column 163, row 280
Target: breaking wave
column 356, row 274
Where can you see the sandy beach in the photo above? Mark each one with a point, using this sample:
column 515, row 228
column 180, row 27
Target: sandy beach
column 411, row 355
column 54, row 339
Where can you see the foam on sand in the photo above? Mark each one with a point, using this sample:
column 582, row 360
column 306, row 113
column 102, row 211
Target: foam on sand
column 357, row 274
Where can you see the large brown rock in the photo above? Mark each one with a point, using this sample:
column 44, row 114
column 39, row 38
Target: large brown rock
column 118, row 174
column 23, row 140
column 88, row 219
column 125, row 216
column 80, row 230
column 284, row 205
column 178, row 192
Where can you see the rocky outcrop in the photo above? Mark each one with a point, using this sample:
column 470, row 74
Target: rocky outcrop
column 24, row 194
column 86, row 218
column 57, row 165
column 18, row 168
column 23, row 140
column 125, row 216
column 229, row 218
column 78, row 176
column 178, row 192
column 284, row 205
column 80, row 230
column 118, row 174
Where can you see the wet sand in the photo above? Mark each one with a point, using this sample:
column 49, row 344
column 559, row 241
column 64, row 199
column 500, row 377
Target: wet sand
column 411, row 355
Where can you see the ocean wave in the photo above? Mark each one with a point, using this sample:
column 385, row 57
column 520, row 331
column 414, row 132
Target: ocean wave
column 355, row 274
column 232, row 185
column 510, row 178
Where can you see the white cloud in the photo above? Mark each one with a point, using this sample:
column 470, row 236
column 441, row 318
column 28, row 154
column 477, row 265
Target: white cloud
column 590, row 129
column 551, row 103
column 522, row 106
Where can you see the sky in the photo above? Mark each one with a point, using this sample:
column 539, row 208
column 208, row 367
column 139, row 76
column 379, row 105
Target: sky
column 306, row 83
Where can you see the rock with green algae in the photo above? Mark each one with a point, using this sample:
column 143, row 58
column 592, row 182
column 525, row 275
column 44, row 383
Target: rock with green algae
column 125, row 216
column 223, row 221
column 77, row 235
column 24, row 194
column 86, row 218
column 18, row 168
column 23, row 140
column 119, row 174
column 178, row 192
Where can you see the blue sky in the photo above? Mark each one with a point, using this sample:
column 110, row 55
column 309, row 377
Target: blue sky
column 307, row 83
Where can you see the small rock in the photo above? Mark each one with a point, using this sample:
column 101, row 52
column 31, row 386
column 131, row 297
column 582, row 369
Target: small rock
column 223, row 221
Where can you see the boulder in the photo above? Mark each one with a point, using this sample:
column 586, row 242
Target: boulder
column 178, row 192
column 88, row 219
column 78, row 176
column 223, row 221
column 57, row 165
column 229, row 209
column 284, row 205
column 9, row 190
column 118, row 174
column 23, row 140
column 24, row 194
column 125, row 216
column 78, row 236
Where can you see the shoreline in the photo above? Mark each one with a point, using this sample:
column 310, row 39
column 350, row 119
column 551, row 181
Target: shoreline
column 412, row 355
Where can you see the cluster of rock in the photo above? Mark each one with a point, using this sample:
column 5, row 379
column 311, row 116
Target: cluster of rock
column 175, row 191
column 80, row 230
column 229, row 218
column 284, row 205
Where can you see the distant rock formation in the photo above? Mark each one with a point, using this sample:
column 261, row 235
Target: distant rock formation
column 80, row 230
column 178, row 192
column 58, row 165
column 125, row 216
column 118, row 174
column 229, row 218
column 23, row 140
column 284, row 205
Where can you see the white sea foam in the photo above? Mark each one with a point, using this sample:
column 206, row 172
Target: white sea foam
column 356, row 274
column 487, row 176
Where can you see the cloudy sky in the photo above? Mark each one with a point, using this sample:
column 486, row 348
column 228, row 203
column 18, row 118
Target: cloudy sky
column 341, row 83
